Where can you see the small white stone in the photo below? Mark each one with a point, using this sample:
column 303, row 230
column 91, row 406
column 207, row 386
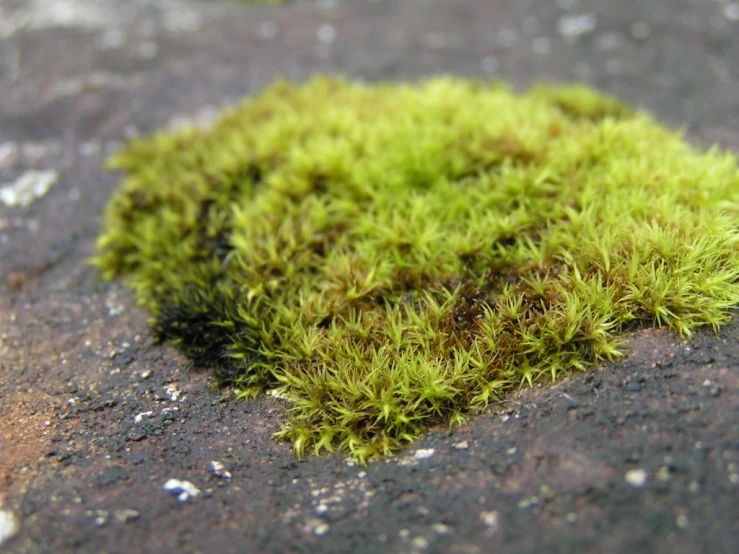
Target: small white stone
column 682, row 521
column 319, row 527
column 138, row 417
column 8, row 525
column 424, row 453
column 28, row 187
column 184, row 489
column 173, row 392
column 464, row 445
column 441, row 529
column 490, row 519
column 219, row 470
column 420, row 543
column 636, row 477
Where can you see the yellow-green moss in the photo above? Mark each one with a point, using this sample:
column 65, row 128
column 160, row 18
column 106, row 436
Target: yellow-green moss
column 389, row 256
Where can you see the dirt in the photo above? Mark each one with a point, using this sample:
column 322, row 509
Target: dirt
column 94, row 418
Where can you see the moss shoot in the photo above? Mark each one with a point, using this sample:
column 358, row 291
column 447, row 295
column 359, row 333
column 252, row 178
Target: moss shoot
column 390, row 256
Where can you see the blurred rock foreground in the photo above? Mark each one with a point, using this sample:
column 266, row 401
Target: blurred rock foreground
column 95, row 420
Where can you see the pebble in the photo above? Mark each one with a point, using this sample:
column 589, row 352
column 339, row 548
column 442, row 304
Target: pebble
column 138, row 417
column 219, row 470
column 8, row 525
column 441, row 529
column 490, row 519
column 183, row 489
column 28, row 187
column 424, row 453
column 636, row 477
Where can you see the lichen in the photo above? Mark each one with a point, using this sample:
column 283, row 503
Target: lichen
column 390, row 256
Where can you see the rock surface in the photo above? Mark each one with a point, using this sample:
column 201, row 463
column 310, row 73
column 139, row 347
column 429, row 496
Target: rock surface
column 638, row 457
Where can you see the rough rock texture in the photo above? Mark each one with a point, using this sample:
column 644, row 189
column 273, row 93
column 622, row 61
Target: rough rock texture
column 94, row 420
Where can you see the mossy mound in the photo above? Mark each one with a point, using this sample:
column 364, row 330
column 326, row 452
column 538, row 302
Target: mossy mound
column 389, row 256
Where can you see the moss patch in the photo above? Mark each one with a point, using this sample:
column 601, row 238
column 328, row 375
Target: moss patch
column 390, row 256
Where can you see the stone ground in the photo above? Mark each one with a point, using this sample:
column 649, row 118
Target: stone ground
column 642, row 456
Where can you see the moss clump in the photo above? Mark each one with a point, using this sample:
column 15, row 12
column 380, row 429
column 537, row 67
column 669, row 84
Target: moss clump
column 389, row 256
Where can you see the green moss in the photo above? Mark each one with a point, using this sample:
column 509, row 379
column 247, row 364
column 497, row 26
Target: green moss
column 389, row 256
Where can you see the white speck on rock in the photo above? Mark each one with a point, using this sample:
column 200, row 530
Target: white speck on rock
column 173, row 392
column 184, row 490
column 8, row 525
column 420, row 543
column 424, row 453
column 138, row 417
column 28, row 187
column 491, row 520
column 441, row 529
column 219, row 470
column 464, row 445
column 636, row 477
column 317, row 526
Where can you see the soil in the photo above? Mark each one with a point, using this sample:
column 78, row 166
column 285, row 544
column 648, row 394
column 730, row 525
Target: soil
column 641, row 456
